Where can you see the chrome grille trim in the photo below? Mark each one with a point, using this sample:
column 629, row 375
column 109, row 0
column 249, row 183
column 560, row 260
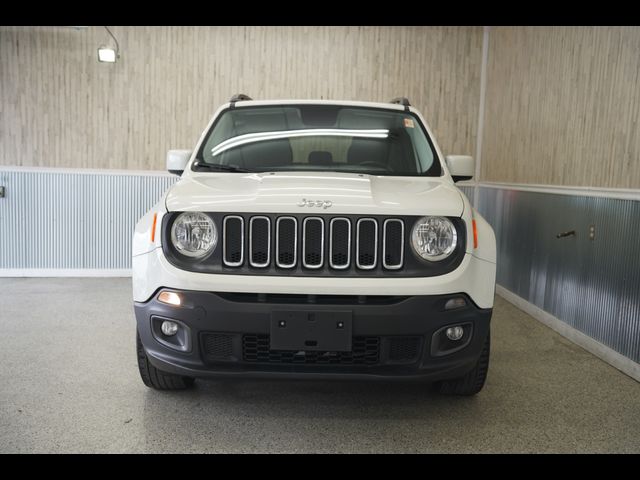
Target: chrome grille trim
column 375, row 249
column 331, row 264
column 224, row 241
column 251, row 262
column 295, row 243
column 304, row 243
column 275, row 244
column 384, row 244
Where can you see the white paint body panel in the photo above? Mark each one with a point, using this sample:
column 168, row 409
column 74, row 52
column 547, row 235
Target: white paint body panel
column 281, row 192
column 142, row 235
column 152, row 270
column 349, row 193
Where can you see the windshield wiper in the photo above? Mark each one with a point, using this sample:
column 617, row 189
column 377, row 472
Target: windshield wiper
column 220, row 167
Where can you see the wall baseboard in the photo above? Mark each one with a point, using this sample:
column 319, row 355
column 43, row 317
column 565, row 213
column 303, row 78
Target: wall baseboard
column 65, row 272
column 613, row 358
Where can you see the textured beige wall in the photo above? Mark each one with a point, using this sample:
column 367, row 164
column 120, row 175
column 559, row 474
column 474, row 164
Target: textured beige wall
column 60, row 107
column 563, row 106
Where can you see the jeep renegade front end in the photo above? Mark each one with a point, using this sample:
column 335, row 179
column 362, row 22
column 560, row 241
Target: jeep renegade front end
column 315, row 239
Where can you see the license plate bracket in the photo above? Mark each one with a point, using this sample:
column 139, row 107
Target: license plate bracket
column 311, row 330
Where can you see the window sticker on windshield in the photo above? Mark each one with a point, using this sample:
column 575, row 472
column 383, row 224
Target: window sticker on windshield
column 408, row 123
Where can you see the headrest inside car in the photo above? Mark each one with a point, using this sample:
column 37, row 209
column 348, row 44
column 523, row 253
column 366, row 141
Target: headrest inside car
column 320, row 158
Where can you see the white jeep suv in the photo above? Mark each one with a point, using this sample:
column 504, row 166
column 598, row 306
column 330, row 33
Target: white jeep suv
column 315, row 239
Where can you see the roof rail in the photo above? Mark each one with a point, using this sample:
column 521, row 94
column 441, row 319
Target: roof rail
column 239, row 97
column 402, row 101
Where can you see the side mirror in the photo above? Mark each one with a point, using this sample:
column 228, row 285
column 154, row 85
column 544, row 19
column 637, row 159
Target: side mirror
column 461, row 167
column 177, row 161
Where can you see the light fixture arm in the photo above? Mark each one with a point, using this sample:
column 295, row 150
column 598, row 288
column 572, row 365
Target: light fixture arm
column 115, row 40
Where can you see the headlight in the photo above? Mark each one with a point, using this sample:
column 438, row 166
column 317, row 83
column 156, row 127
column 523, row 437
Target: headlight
column 434, row 238
column 194, row 234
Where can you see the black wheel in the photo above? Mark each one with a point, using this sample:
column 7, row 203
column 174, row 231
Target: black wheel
column 472, row 382
column 154, row 378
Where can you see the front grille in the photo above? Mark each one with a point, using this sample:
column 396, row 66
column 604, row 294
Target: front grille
column 313, row 243
column 365, row 351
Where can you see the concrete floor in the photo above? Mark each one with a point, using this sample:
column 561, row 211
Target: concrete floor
column 69, row 383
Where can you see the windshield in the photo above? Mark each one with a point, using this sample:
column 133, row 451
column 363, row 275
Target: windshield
column 318, row 138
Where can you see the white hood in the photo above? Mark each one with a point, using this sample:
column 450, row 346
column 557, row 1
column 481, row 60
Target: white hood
column 348, row 193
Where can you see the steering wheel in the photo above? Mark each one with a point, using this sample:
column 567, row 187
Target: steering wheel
column 373, row 163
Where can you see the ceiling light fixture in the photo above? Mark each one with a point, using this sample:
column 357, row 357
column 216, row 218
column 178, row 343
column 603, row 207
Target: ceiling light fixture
column 108, row 54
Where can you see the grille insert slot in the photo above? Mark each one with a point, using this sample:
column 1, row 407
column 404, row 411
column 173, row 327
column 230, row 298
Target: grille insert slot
column 367, row 244
column 286, row 242
column 340, row 243
column 393, row 244
column 313, row 242
column 259, row 241
column 233, row 241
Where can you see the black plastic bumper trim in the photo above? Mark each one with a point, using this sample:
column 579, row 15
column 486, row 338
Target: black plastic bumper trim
column 206, row 312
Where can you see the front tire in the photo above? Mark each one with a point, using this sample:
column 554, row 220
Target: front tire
column 472, row 382
column 155, row 378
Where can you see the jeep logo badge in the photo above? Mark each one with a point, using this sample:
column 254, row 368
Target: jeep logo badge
column 315, row 203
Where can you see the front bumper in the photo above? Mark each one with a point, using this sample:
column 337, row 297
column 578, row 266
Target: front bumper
column 475, row 277
column 392, row 337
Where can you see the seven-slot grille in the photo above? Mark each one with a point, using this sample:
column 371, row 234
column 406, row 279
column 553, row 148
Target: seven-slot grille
column 338, row 243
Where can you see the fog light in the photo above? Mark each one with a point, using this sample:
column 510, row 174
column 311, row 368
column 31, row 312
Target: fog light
column 457, row 302
column 171, row 328
column 171, row 298
column 452, row 333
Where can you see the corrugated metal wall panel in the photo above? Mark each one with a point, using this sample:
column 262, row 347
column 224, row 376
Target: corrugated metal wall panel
column 67, row 220
column 594, row 286
column 467, row 190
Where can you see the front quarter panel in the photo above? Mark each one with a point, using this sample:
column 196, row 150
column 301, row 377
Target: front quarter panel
column 486, row 249
column 142, row 234
column 486, row 239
